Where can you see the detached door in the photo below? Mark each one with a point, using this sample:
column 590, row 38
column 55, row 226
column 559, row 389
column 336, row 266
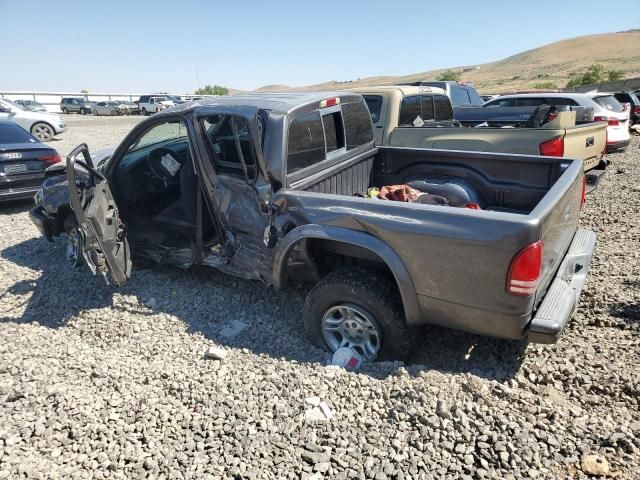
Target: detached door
column 101, row 233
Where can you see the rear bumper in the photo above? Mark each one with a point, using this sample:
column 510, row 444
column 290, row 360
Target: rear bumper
column 562, row 296
column 18, row 187
column 617, row 145
column 17, row 193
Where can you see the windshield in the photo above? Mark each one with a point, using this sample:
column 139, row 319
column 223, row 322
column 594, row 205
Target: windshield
column 610, row 103
column 170, row 131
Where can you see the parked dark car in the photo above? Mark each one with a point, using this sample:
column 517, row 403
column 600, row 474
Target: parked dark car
column 632, row 99
column 23, row 160
column 276, row 188
column 31, row 105
column 76, row 105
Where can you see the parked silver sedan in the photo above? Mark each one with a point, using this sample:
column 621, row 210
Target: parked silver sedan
column 30, row 105
column 107, row 108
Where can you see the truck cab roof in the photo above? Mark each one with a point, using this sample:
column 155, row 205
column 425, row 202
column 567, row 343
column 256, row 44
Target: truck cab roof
column 404, row 90
column 283, row 103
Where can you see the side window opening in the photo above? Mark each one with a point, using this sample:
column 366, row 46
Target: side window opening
column 374, row 102
column 224, row 134
column 333, row 131
column 459, row 96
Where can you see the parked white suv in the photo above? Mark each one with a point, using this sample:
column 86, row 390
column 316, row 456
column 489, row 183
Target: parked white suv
column 149, row 104
column 43, row 126
column 605, row 109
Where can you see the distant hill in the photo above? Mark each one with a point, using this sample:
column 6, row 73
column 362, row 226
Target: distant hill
column 556, row 62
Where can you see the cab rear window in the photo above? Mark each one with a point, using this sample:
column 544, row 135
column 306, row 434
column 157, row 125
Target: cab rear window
column 316, row 136
column 306, row 142
column 357, row 125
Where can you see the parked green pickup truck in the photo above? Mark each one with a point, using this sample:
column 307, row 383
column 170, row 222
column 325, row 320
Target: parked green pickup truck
column 408, row 116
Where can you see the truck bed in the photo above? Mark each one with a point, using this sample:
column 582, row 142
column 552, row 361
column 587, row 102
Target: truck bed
column 458, row 258
column 585, row 142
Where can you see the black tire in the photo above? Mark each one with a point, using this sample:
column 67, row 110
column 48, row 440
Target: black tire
column 42, row 131
column 83, row 111
column 74, row 241
column 65, row 110
column 144, row 112
column 370, row 290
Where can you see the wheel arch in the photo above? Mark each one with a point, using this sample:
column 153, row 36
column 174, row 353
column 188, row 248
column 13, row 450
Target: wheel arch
column 354, row 239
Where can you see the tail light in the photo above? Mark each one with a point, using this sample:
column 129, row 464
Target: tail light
column 524, row 271
column 635, row 109
column 613, row 122
column 50, row 159
column 553, row 147
column 584, row 191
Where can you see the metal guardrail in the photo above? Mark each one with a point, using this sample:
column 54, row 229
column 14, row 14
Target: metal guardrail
column 617, row 86
column 51, row 100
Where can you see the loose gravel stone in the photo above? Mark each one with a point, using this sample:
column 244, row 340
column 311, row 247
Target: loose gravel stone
column 95, row 384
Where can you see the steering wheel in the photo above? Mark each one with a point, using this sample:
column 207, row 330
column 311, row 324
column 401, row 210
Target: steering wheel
column 154, row 162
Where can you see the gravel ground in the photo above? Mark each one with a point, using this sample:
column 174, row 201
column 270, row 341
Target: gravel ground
column 97, row 132
column 99, row 383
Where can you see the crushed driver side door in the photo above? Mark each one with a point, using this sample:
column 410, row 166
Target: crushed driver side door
column 102, row 234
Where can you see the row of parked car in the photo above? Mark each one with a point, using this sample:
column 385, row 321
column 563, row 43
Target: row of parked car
column 145, row 105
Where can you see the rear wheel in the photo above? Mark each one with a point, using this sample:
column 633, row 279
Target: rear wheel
column 83, row 111
column 42, row 131
column 73, row 252
column 65, row 110
column 358, row 308
column 144, row 111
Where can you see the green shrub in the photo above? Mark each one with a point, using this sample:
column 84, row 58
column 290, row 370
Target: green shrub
column 548, row 85
column 450, row 75
column 212, row 90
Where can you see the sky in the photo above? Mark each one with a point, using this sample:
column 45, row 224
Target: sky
column 145, row 46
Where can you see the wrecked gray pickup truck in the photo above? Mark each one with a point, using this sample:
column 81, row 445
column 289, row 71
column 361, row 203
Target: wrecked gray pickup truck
column 274, row 187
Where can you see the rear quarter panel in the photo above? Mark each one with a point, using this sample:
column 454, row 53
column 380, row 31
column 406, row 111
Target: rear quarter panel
column 451, row 254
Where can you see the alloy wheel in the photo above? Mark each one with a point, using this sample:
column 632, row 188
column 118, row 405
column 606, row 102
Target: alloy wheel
column 348, row 325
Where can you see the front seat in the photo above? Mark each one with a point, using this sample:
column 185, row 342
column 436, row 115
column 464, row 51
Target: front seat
column 180, row 218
